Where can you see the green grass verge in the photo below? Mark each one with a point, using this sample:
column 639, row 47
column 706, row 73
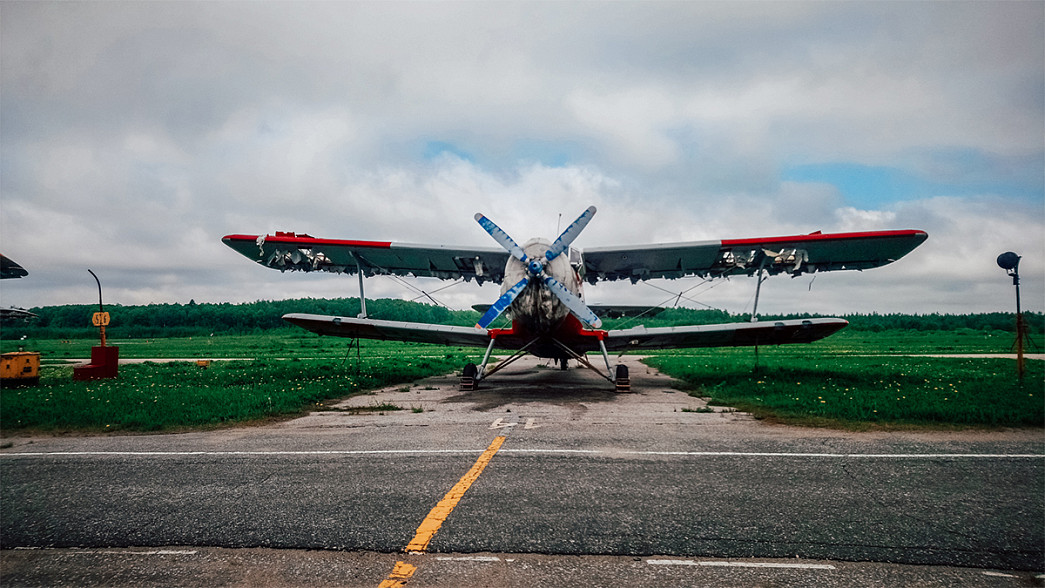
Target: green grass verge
column 171, row 396
column 853, row 379
column 857, row 392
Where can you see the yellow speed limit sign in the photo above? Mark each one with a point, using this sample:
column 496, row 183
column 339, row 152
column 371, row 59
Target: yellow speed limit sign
column 100, row 319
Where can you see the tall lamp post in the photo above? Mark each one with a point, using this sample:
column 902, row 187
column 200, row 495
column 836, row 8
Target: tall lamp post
column 1010, row 262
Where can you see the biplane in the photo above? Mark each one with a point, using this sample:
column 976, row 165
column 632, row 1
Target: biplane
column 541, row 288
column 10, row 269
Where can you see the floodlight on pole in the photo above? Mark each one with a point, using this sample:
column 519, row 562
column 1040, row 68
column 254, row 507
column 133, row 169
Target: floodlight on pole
column 1010, row 262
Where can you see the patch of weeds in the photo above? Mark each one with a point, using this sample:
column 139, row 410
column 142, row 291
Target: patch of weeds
column 384, row 406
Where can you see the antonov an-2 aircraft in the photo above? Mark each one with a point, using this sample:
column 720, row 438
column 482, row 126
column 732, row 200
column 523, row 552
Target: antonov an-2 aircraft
column 541, row 287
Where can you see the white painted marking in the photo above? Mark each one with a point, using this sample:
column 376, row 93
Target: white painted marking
column 530, row 424
column 526, row 451
column 500, row 424
column 997, row 575
column 157, row 552
column 235, row 453
column 767, row 454
column 564, row 451
column 482, row 558
column 835, row 455
column 737, row 564
column 741, row 564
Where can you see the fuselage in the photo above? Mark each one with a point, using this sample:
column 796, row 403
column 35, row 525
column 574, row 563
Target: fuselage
column 537, row 313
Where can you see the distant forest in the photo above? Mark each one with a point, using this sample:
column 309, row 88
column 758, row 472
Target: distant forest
column 192, row 319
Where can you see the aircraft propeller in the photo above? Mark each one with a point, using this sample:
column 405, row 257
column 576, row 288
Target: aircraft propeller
column 535, row 269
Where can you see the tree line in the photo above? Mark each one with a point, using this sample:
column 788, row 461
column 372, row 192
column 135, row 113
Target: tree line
column 182, row 320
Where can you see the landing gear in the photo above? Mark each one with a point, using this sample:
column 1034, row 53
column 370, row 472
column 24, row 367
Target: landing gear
column 468, row 377
column 622, row 381
column 473, row 374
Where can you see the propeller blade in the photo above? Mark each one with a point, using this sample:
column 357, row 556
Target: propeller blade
column 501, row 237
column 566, row 238
column 574, row 303
column 502, row 303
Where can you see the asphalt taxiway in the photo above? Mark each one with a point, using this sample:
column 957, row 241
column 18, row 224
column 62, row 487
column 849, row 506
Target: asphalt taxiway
column 584, row 486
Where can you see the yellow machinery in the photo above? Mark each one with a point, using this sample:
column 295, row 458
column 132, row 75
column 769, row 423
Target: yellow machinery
column 20, row 368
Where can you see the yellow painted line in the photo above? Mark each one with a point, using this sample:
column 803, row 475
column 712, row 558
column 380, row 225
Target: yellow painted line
column 430, row 526
column 400, row 574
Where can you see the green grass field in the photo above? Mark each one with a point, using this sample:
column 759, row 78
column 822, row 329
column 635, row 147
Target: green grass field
column 861, row 379
column 853, row 380
column 281, row 375
column 858, row 392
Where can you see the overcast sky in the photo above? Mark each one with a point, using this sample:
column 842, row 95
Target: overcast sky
column 135, row 135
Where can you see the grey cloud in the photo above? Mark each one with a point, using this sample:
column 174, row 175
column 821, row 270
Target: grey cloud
column 164, row 126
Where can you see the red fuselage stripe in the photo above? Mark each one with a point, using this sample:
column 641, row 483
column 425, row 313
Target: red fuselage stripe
column 823, row 237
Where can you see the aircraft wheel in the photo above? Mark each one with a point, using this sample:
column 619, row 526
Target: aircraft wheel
column 622, row 380
column 468, row 377
column 562, row 363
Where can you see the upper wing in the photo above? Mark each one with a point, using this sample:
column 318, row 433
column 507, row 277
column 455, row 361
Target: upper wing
column 723, row 335
column 360, row 328
column 288, row 251
column 794, row 254
column 13, row 314
column 10, row 269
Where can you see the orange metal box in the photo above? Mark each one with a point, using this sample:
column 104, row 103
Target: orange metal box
column 20, row 368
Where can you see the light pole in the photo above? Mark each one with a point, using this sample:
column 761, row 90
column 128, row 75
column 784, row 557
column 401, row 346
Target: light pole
column 1010, row 262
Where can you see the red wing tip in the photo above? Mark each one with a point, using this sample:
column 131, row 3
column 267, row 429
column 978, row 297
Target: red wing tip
column 820, row 236
column 304, row 239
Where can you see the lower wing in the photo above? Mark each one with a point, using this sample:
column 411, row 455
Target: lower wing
column 634, row 339
column 362, row 328
column 723, row 335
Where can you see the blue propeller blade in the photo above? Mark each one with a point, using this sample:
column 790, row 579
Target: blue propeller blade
column 502, row 303
column 575, row 304
column 566, row 238
column 501, row 237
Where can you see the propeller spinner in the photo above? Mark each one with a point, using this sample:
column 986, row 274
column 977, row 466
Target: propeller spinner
column 535, row 269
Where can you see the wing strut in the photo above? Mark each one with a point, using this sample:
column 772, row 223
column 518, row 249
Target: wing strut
column 758, row 290
column 362, row 296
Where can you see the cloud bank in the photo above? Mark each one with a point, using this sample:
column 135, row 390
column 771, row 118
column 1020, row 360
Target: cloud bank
column 134, row 136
